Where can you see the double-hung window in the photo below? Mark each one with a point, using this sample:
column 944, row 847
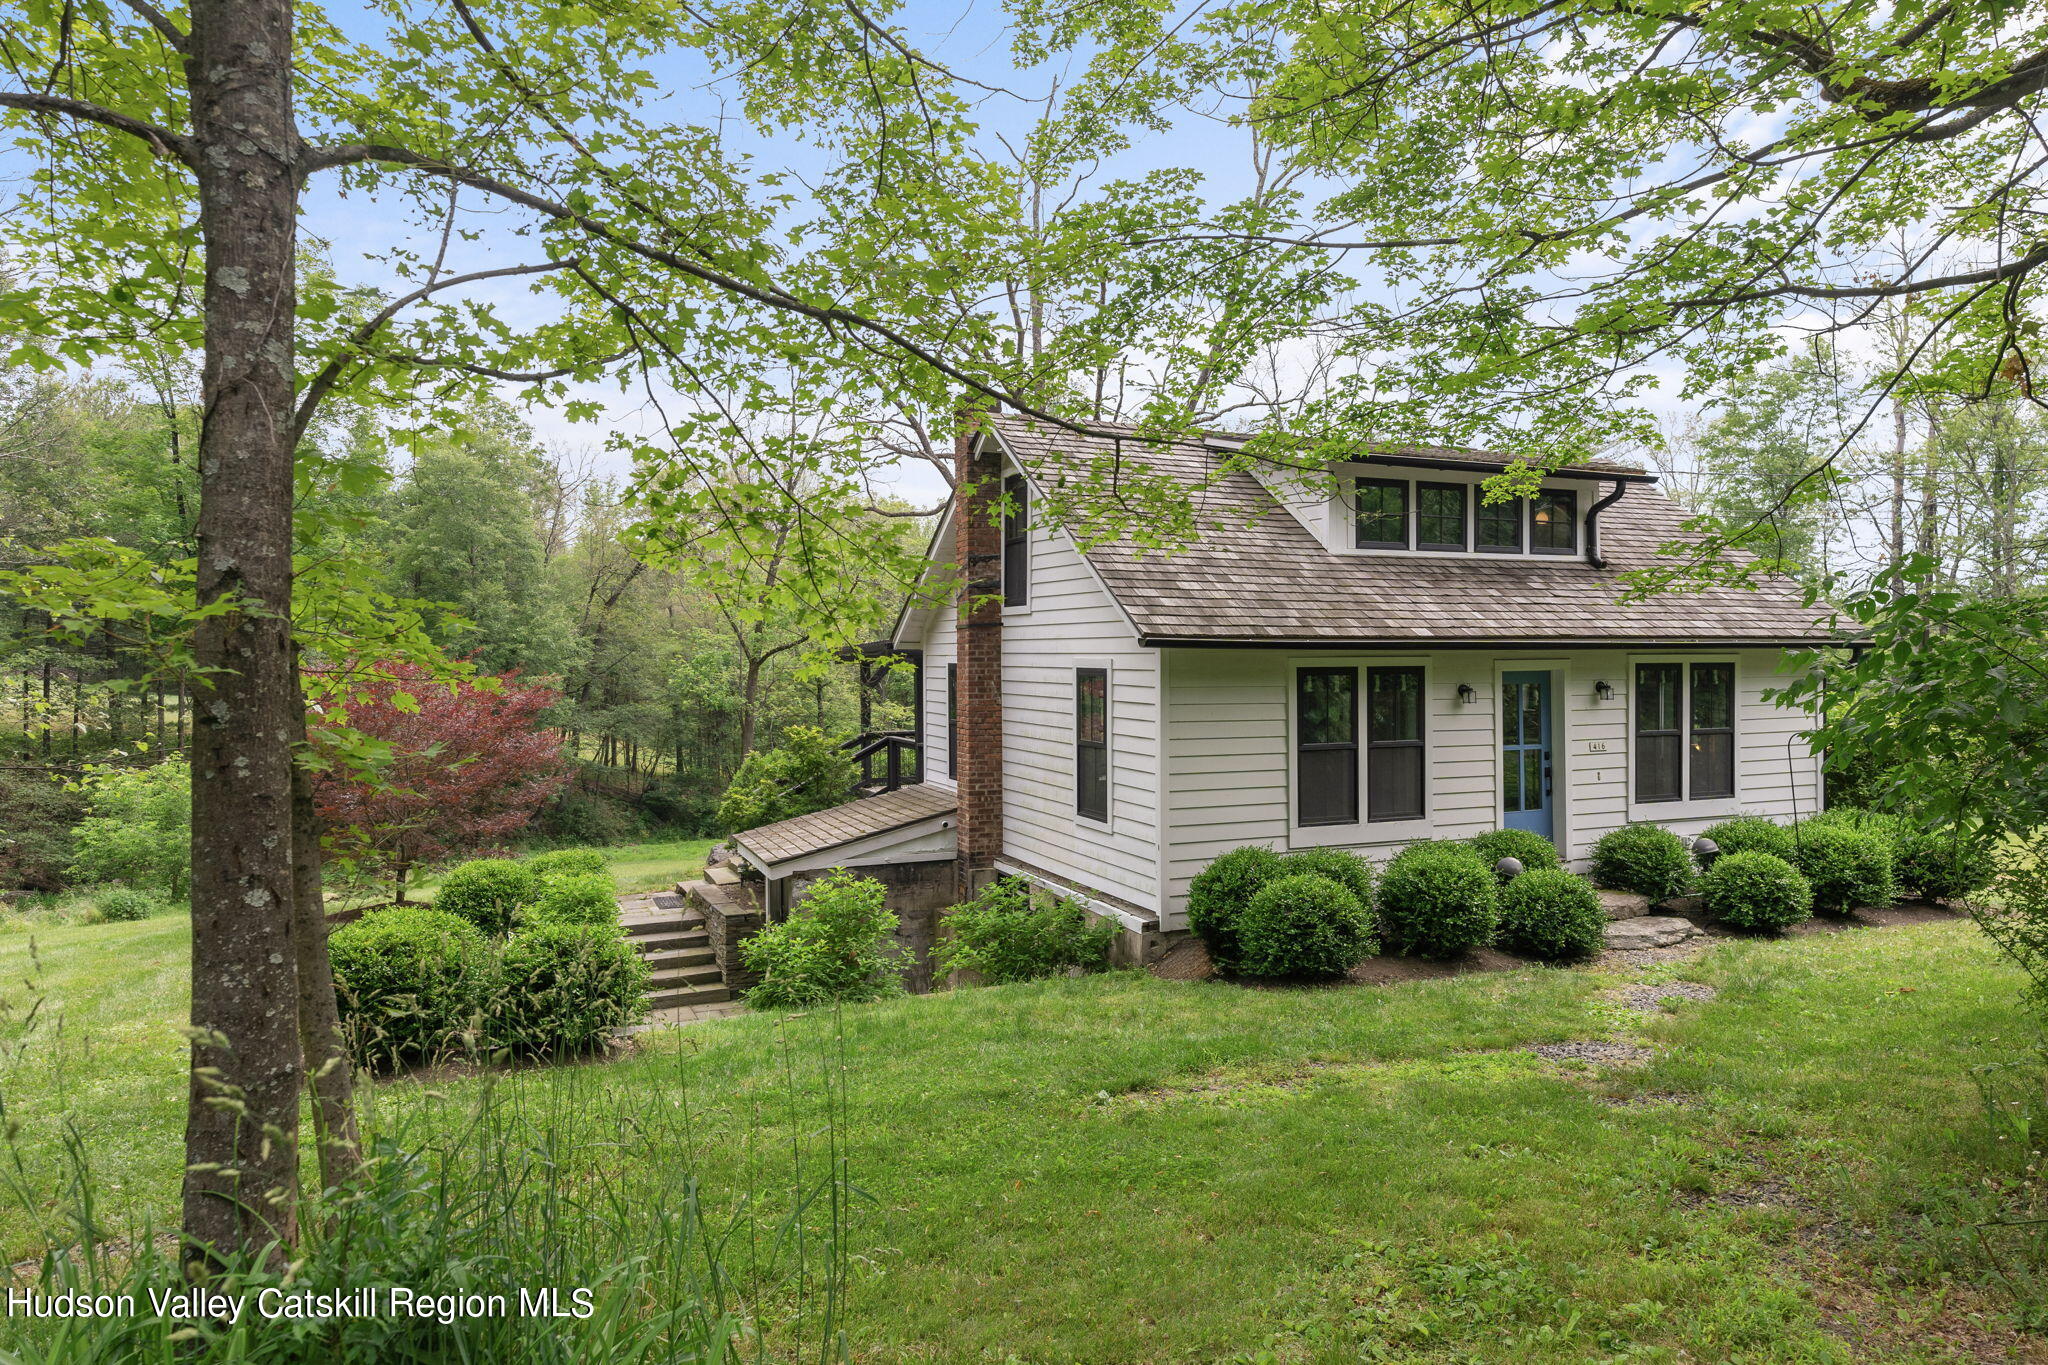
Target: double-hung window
column 1091, row 742
column 1016, row 541
column 1395, row 760
column 1326, row 746
column 1685, row 731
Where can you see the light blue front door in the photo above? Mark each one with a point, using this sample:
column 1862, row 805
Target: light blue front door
column 1525, row 799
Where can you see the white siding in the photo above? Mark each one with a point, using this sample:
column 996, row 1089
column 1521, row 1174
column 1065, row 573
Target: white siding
column 1070, row 622
column 1229, row 753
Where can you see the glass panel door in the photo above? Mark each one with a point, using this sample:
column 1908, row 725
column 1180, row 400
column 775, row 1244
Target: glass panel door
column 1525, row 758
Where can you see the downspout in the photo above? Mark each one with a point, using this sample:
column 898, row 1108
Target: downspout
column 1593, row 555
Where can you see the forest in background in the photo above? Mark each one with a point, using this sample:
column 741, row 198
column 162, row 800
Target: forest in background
column 518, row 558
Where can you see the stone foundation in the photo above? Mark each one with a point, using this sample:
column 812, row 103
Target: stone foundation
column 917, row 892
column 732, row 915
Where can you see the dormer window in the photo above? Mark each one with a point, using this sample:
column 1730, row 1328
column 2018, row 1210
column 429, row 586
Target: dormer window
column 1554, row 522
column 1382, row 514
column 1442, row 517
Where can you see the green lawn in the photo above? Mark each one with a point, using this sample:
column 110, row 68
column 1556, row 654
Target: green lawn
column 1120, row 1169
column 652, row 866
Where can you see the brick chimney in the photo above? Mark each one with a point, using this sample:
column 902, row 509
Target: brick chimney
column 978, row 766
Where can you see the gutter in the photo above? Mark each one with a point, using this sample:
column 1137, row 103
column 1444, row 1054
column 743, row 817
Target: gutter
column 1418, row 643
column 1593, row 555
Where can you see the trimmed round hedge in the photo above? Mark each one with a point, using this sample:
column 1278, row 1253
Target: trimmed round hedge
column 1646, row 859
column 487, row 892
column 1847, row 866
column 1341, row 866
column 1553, row 915
column 1751, row 834
column 1437, row 901
column 1756, row 890
column 1892, row 830
column 563, row 989
column 1219, row 893
column 1534, row 852
column 565, row 862
column 1304, row 925
column 1944, row 864
column 408, row 981
column 575, row 898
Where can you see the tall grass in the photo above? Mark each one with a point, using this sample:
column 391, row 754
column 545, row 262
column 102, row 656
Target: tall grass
column 564, row 1179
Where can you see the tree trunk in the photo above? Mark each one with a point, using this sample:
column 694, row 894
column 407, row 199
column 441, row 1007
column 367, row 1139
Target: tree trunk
column 750, row 703
column 1898, row 508
column 241, row 1128
column 328, row 1074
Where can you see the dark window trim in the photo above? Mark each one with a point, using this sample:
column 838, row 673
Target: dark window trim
column 1407, row 514
column 1091, row 805
column 952, row 720
column 1420, row 743
column 1571, row 501
column 1357, row 766
column 1464, row 515
column 1521, row 512
column 1016, row 541
column 1687, row 789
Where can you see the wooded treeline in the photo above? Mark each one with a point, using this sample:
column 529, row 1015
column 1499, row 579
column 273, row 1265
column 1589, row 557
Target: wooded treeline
column 523, row 560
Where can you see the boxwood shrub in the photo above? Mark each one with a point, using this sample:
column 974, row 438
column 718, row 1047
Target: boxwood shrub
column 565, row 862
column 1891, row 830
column 1551, row 914
column 1530, row 849
column 1753, row 889
column 1304, row 925
column 563, row 989
column 1437, row 901
column 1751, row 834
column 1341, row 866
column 1219, row 893
column 575, row 898
column 1847, row 866
column 1947, row 863
column 1646, row 859
column 1010, row 932
column 409, row 982
column 487, row 892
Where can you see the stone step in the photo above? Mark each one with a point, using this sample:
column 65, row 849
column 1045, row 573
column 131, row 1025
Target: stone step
column 655, row 926
column 721, row 875
column 673, row 958
column 667, row 978
column 691, row 995
column 670, row 943
column 1623, row 904
column 1649, row 931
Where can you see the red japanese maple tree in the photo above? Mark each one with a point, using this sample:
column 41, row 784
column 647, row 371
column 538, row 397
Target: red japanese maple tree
column 469, row 767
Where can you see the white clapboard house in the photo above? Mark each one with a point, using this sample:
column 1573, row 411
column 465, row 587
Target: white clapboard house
column 1391, row 662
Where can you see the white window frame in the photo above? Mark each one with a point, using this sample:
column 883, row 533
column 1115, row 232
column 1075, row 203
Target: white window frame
column 1685, row 808
column 1364, row 832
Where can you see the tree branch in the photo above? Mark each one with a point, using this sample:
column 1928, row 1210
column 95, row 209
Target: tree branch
column 330, row 373
column 162, row 141
column 161, row 22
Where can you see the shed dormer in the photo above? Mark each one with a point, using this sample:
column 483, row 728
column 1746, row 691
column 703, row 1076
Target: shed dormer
column 1431, row 503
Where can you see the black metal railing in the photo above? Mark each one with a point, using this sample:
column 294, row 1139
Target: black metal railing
column 887, row 759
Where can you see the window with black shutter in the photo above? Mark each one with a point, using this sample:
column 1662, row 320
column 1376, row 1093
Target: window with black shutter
column 1326, row 746
column 1554, row 522
column 1382, row 514
column 1016, row 541
column 1659, row 741
column 952, row 720
column 1713, row 731
column 1394, row 759
column 1498, row 528
column 1091, row 742
column 1440, row 516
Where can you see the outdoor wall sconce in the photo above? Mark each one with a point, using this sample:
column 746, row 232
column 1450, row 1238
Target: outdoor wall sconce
column 1466, row 694
column 1603, row 690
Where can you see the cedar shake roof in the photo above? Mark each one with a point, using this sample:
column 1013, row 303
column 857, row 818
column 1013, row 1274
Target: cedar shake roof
column 1254, row 574
column 805, row 835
